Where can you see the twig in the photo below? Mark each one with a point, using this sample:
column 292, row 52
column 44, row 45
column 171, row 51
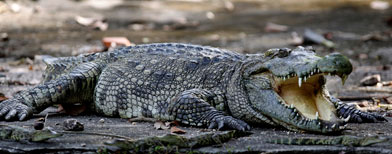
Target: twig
column 99, row 134
column 46, row 118
column 374, row 89
column 351, row 98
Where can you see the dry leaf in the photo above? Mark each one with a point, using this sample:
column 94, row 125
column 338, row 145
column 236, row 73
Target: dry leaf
column 370, row 80
column 115, row 41
column 95, row 23
column 2, row 97
column 159, row 125
column 272, row 27
column 176, row 130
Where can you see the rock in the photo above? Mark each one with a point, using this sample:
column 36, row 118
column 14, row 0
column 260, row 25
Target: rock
column 101, row 120
column 72, row 125
column 39, row 125
column 371, row 80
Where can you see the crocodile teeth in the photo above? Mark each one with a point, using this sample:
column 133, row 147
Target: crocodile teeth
column 317, row 115
column 334, row 125
column 346, row 119
column 299, row 82
column 295, row 110
column 291, row 105
column 305, row 79
column 284, row 78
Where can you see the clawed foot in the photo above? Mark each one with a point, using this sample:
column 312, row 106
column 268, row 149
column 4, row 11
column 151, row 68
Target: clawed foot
column 11, row 109
column 359, row 116
column 228, row 122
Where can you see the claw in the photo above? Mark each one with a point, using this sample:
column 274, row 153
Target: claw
column 220, row 124
column 10, row 114
column 212, row 125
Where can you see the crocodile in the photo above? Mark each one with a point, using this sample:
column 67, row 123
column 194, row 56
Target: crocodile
column 198, row 86
column 340, row 140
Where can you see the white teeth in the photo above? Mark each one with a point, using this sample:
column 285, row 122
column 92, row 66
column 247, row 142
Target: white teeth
column 305, row 79
column 346, row 119
column 334, row 125
column 291, row 105
column 284, row 78
column 299, row 82
column 295, row 110
column 317, row 115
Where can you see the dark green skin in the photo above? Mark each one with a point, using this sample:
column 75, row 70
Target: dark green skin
column 341, row 140
column 16, row 133
column 195, row 85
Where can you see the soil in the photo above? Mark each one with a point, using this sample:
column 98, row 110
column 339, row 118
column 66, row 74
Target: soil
column 42, row 28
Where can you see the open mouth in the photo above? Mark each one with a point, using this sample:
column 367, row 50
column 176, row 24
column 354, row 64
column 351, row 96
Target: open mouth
column 307, row 95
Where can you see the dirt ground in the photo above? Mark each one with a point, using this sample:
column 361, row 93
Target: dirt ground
column 30, row 30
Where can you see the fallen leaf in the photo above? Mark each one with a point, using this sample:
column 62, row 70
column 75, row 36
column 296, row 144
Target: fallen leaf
column 176, row 130
column 374, row 37
column 379, row 5
column 2, row 97
column 388, row 100
column 296, row 39
column 159, row 125
column 95, row 23
column 312, row 37
column 370, row 80
column 272, row 27
column 109, row 42
column 4, row 37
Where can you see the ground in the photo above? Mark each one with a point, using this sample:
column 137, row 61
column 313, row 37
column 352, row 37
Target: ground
column 47, row 27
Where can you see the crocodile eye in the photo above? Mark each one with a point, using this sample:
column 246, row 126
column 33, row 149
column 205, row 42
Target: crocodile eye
column 284, row 52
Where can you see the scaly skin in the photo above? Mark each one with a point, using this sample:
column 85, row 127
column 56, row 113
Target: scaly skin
column 16, row 133
column 196, row 85
column 341, row 140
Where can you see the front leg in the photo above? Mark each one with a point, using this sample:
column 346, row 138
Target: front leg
column 356, row 115
column 76, row 86
column 193, row 107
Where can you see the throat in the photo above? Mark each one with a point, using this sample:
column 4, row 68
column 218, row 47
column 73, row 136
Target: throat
column 308, row 100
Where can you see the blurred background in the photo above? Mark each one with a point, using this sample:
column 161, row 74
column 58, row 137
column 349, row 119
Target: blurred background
column 30, row 30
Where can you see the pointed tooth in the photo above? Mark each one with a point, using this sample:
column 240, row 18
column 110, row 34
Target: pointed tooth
column 317, row 115
column 344, row 77
column 305, row 78
column 334, row 125
column 291, row 105
column 299, row 82
column 284, row 78
column 347, row 119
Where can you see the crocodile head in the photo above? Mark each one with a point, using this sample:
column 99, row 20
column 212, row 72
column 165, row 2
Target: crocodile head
column 288, row 88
